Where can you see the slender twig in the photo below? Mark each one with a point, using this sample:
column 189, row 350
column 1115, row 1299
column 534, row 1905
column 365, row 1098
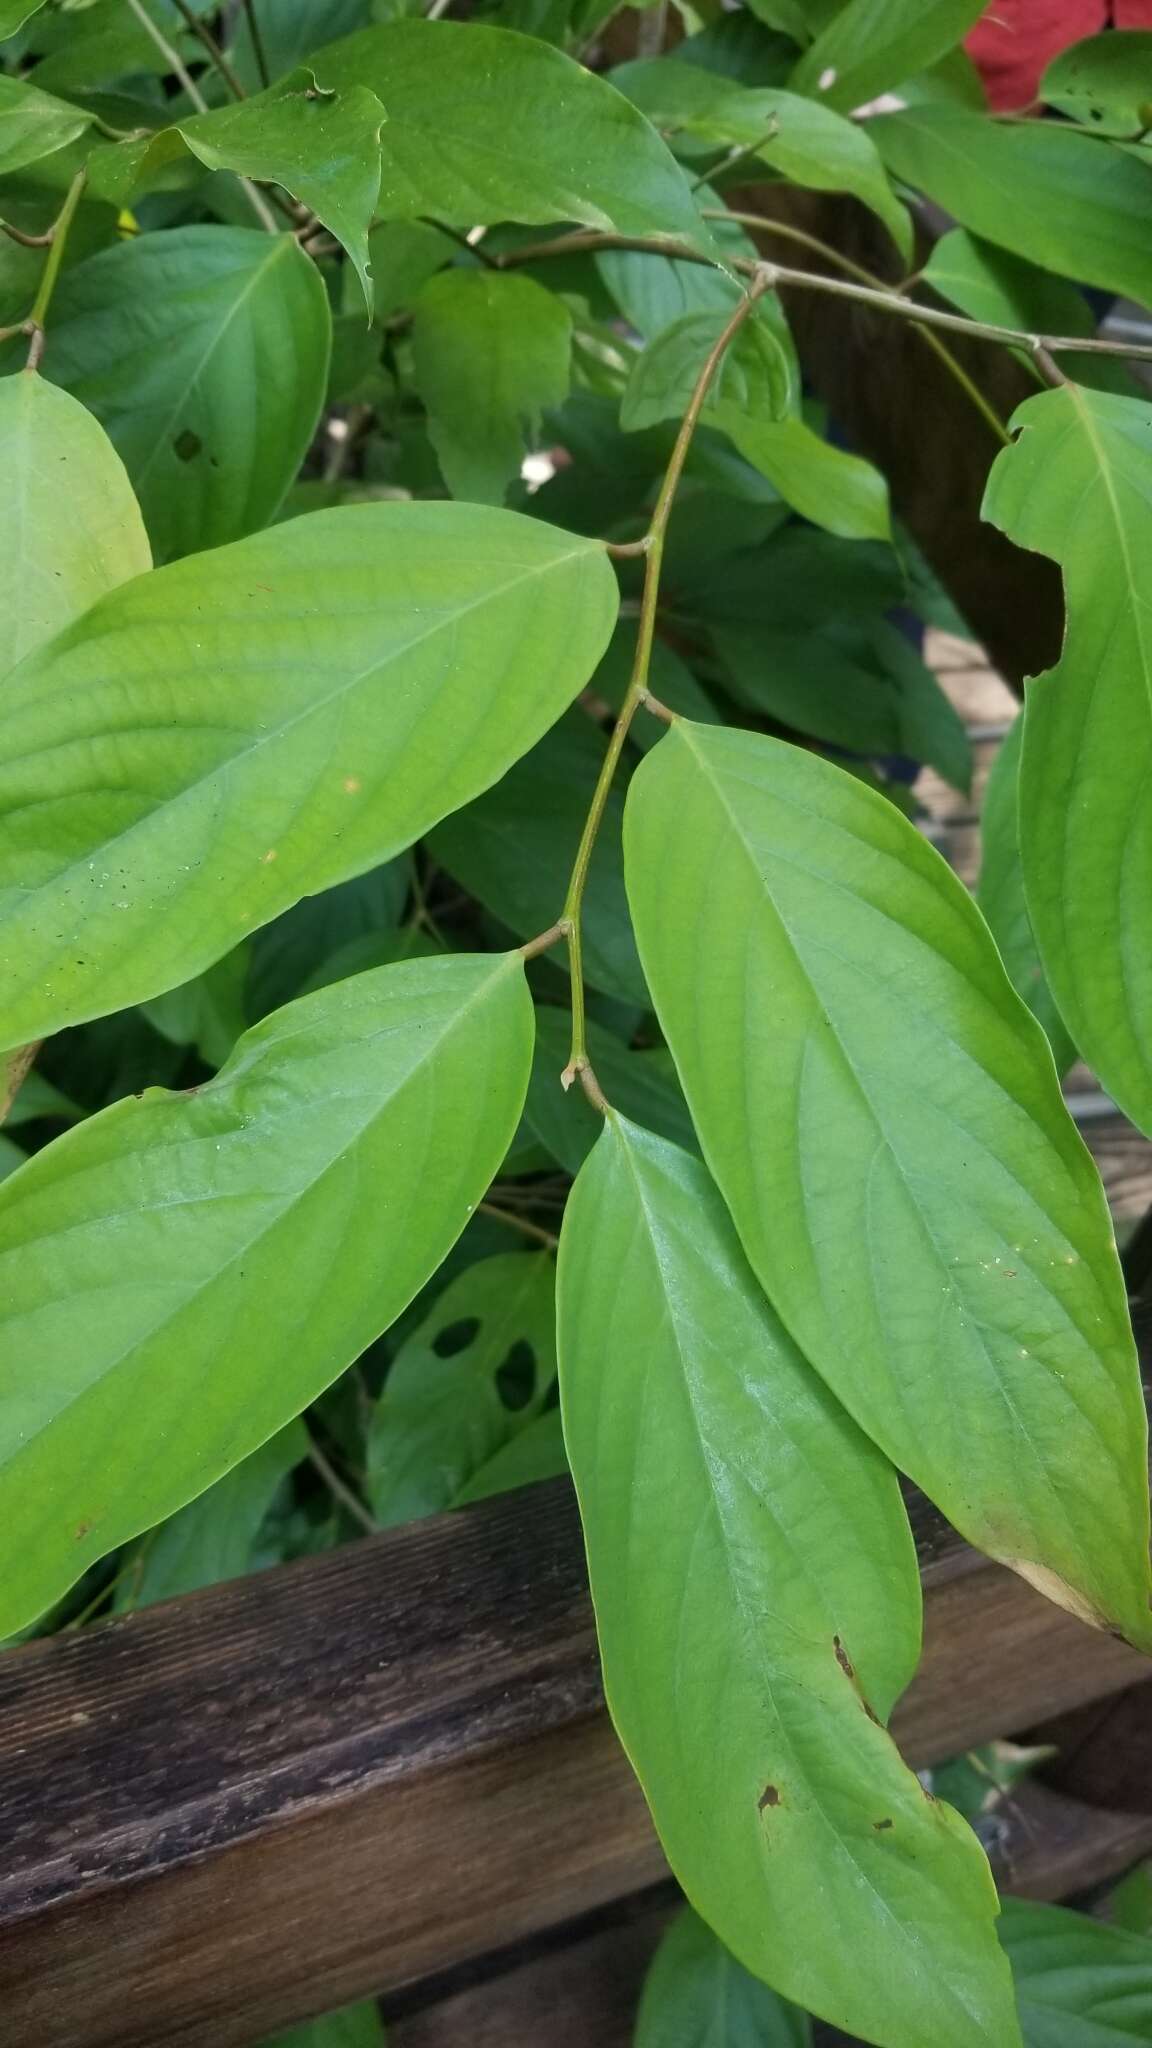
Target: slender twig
column 34, row 325
column 462, row 241
column 216, row 55
column 256, row 34
column 741, row 154
column 16, row 234
column 520, row 1223
column 578, row 1067
column 179, row 70
column 551, row 937
column 341, row 1490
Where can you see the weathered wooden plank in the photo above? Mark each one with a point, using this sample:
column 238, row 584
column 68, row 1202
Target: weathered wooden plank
column 228, row 1812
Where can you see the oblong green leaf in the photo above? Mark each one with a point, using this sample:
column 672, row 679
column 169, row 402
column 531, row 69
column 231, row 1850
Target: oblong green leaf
column 757, row 1604
column 181, row 1274
column 33, row 124
column 487, row 125
column 1000, row 895
column 696, row 1995
column 1077, row 485
column 883, row 1118
column 871, row 45
column 1080, row 1983
column 219, row 738
column 54, row 454
column 166, row 339
column 490, row 354
column 755, row 376
column 833, row 489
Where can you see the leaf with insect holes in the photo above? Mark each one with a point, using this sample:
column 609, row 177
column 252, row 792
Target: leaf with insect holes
column 52, row 569
column 237, row 730
column 870, row 46
column 490, row 353
column 463, row 1386
column 1104, row 82
column 1077, row 485
column 757, row 1604
column 302, row 1198
column 883, row 1119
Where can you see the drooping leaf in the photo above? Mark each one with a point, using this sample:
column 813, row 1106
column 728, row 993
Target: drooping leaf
column 536, row 1453
column 1077, row 485
column 754, row 380
column 514, row 847
column 353, row 2026
column 1079, row 1983
column 189, row 1271
column 757, row 1605
column 643, row 1085
column 835, row 490
column 33, row 124
column 883, row 1119
column 872, row 45
column 491, row 353
column 54, row 455
column 166, row 340
column 212, row 1538
column 463, row 1386
column 282, row 714
column 696, row 1995
column 805, row 142
column 1002, row 900
column 1038, row 188
column 487, row 125
column 1104, row 82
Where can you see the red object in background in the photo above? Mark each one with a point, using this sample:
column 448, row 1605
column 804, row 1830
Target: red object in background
column 1015, row 40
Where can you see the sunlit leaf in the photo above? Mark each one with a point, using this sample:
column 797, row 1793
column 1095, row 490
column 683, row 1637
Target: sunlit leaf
column 757, row 1605
column 189, row 1271
column 1002, row 900
column 491, row 353
column 884, row 1121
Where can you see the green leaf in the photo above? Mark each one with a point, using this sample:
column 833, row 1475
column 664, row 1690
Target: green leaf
column 32, row 123
column 485, row 125
column 696, row 1995
column 806, row 143
column 51, row 568
column 474, row 1374
column 166, row 339
column 757, row 1604
column 491, row 353
column 280, row 715
column 133, row 1248
column 670, row 678
column 208, row 1012
column 755, row 377
column 839, row 492
column 288, row 31
column 515, row 845
column 1038, row 188
column 290, row 951
column 1077, row 485
column 1105, row 82
column 1130, row 1903
column 353, row 2026
column 536, row 1453
column 1079, row 1983
column 652, row 291
column 992, row 284
column 907, row 1182
column 403, row 255
column 1001, row 896
column 14, row 13
column 212, row 1539
column 641, row 1084
column 872, row 45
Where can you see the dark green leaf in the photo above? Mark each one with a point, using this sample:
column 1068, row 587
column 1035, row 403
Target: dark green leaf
column 872, row 45
column 291, row 950
column 670, row 679
column 755, row 377
column 403, row 255
column 209, row 1011
column 282, row 715
column 212, row 1538
column 757, row 1604
column 696, row 1995
column 1105, row 82
column 303, row 1198
column 884, row 1121
column 354, row 2026
column 14, row 13
column 491, row 353
column 1002, row 900
column 33, row 124
column 1079, row 1983
column 289, row 30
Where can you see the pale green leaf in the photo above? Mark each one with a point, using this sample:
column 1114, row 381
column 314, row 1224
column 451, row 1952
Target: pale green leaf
column 873, row 45
column 1105, row 82
column 212, row 1539
column 882, row 1115
column 166, row 339
column 1077, row 485
column 757, row 1603
column 1079, row 1983
column 222, row 737
column 33, row 124
column 641, row 1084
column 353, row 2026
column 696, row 1995
column 490, row 354
column 470, row 1379
column 1038, row 188
column 486, row 125
column 835, row 490
column 754, row 378
column 806, row 143
column 536, row 1453
column 189, row 1271
column 53, row 455
column 1002, row 900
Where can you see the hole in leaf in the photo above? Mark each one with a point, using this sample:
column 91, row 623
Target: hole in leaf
column 516, row 1378
column 456, row 1337
column 187, row 445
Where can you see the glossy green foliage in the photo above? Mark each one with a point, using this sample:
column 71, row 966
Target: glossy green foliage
column 188, row 1271
column 1077, row 485
column 1104, row 82
column 1002, row 900
column 52, row 452
column 158, row 338
column 534, row 137
column 1080, row 1984
column 282, row 713
column 894, row 1148
column 214, row 1537
column 871, row 46
column 34, row 124
column 744, row 1667
column 1041, row 189
column 464, row 1386
column 696, row 1995
column 491, row 353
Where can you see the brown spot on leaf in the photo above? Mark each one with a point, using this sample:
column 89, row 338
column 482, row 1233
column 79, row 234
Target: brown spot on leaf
column 770, row 1796
column 880, row 1825
column 843, row 1659
column 82, row 1530
column 187, row 445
